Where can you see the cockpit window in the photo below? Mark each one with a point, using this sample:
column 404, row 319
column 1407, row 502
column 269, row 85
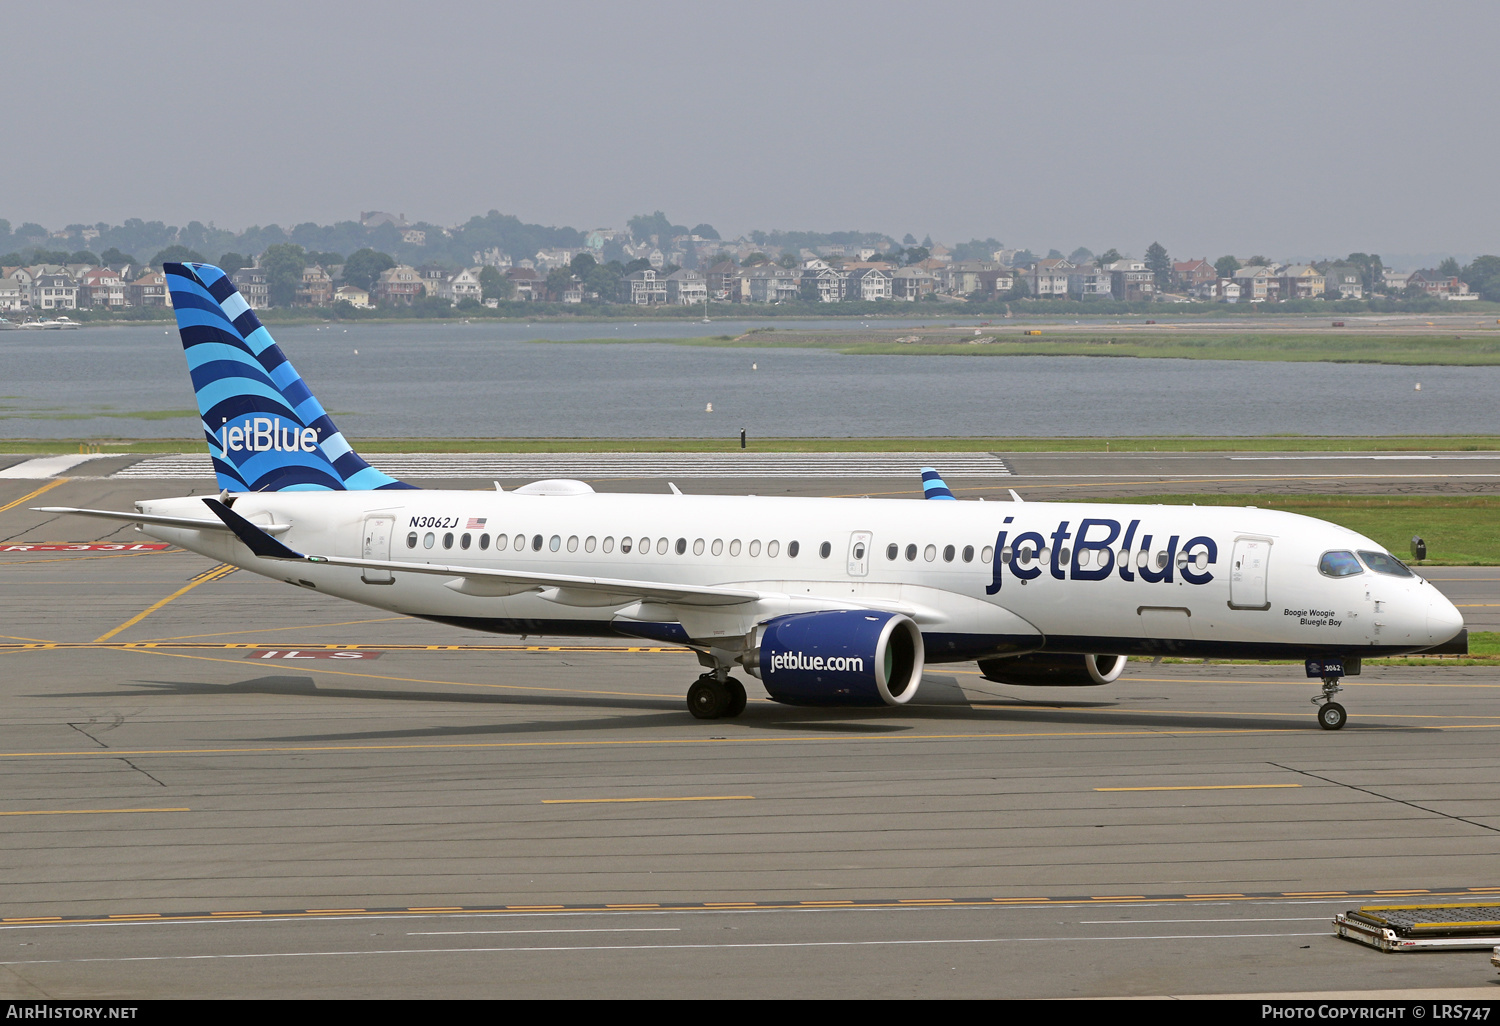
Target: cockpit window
column 1339, row 564
column 1385, row 563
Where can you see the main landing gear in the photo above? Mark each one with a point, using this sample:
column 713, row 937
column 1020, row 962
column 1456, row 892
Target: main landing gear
column 1331, row 715
column 711, row 698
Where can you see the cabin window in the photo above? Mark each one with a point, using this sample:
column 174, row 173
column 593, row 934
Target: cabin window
column 554, row 543
column 520, row 542
column 911, row 553
column 501, row 541
column 464, row 541
column 536, row 543
column 1085, row 555
column 824, row 550
column 625, row 544
column 987, row 553
column 609, row 544
column 755, row 547
column 948, row 553
column 773, row 548
column 661, row 546
column 448, row 540
column 484, row 542
column 411, row 540
column 1141, row 557
column 734, row 547
column 681, row 546
column 644, row 546
column 891, row 550
column 428, row 539
column 1385, row 563
column 1063, row 555
column 1161, row 559
column 718, row 547
column 968, row 553
column 573, row 543
column 792, row 548
column 588, row 544
column 929, row 553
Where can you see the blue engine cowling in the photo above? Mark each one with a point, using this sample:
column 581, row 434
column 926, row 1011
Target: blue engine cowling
column 842, row 657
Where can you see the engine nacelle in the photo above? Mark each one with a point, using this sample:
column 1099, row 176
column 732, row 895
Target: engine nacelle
column 1043, row 669
column 839, row 658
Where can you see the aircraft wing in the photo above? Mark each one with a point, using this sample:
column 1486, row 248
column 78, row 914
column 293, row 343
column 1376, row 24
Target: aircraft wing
column 480, row 581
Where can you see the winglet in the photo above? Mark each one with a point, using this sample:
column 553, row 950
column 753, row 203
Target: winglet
column 259, row 542
column 933, row 485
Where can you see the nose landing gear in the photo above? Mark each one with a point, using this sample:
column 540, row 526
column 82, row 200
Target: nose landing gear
column 1331, row 715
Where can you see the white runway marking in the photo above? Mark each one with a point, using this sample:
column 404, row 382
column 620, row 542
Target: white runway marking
column 487, row 466
column 47, row 466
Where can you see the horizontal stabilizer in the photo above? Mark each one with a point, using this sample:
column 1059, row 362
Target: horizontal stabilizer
column 191, row 523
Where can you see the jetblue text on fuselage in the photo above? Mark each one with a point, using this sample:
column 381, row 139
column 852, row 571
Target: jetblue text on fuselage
column 266, row 434
column 1093, row 554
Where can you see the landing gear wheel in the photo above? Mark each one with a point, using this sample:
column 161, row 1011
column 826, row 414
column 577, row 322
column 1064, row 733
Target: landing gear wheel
column 1332, row 716
column 736, row 704
column 707, row 699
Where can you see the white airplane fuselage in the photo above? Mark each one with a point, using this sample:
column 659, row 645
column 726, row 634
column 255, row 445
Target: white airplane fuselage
column 1072, row 577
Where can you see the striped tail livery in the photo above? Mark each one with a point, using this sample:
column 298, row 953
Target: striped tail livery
column 266, row 432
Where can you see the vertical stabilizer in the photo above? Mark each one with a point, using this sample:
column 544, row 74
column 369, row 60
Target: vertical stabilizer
column 265, row 431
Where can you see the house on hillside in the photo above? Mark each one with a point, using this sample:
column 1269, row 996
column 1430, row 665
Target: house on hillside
column 1300, row 281
column 254, row 287
column 684, row 288
column 1049, row 278
column 401, row 285
column 315, row 289
column 643, row 288
column 1189, row 274
column 910, row 284
column 869, row 284
column 102, row 288
column 150, row 289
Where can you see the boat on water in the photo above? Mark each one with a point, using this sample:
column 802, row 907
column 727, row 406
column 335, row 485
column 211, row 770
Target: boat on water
column 54, row 324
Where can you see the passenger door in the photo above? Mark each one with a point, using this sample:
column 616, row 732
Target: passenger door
column 1248, row 574
column 377, row 545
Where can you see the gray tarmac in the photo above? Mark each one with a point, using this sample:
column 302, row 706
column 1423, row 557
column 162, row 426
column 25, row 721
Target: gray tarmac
column 458, row 815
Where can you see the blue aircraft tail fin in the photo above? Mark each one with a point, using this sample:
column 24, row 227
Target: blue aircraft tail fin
column 933, row 485
column 266, row 432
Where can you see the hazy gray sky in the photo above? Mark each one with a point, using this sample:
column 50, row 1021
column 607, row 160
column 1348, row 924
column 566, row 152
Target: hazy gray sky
column 1278, row 127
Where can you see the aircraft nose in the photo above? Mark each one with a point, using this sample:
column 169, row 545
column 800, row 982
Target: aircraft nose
column 1443, row 619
